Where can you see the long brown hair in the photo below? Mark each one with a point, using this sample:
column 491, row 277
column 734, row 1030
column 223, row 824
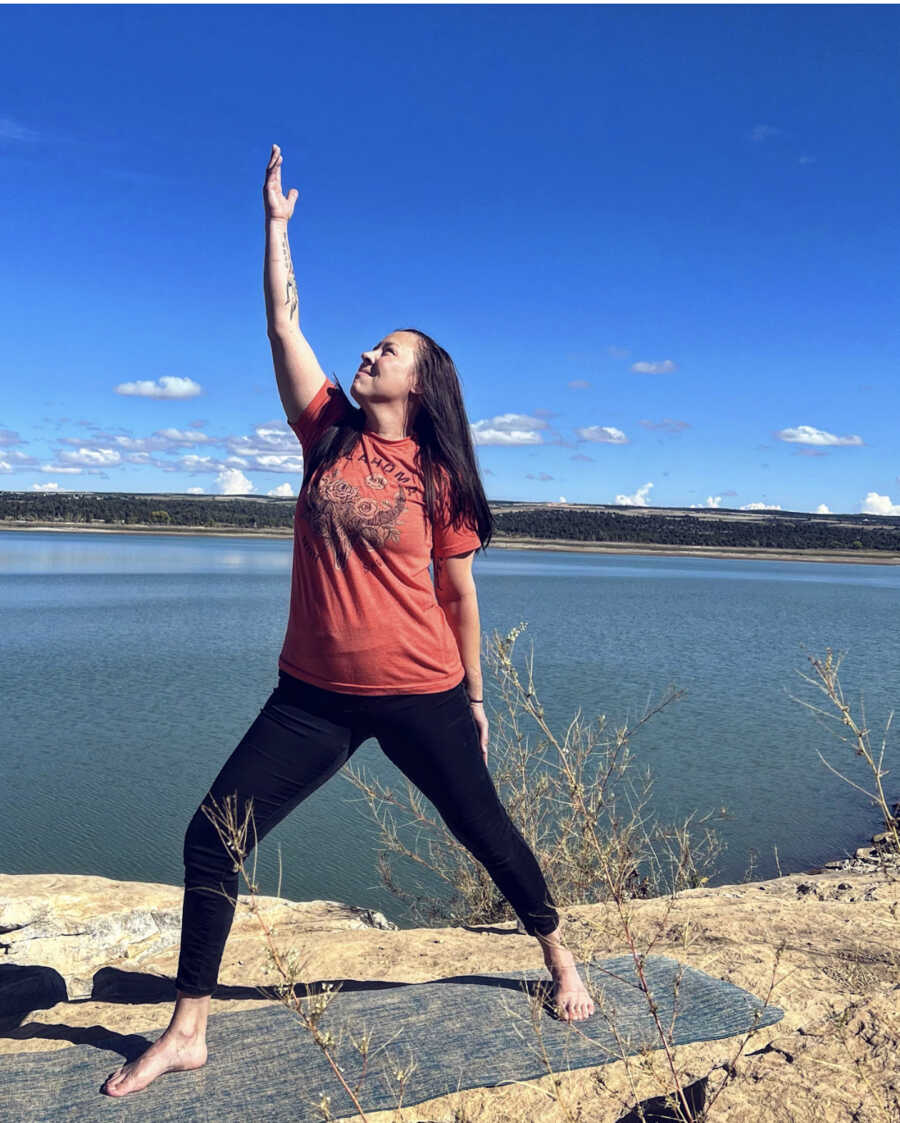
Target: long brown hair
column 441, row 429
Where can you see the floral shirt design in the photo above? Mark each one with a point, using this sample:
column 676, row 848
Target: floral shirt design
column 344, row 519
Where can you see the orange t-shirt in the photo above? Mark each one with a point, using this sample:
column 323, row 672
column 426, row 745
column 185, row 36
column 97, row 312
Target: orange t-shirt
column 364, row 618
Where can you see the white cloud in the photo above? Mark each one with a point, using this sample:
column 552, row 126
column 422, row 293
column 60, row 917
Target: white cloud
column 141, row 443
column 56, row 468
column 711, row 501
column 508, row 429
column 92, row 457
column 272, row 447
column 275, row 433
column 759, row 133
column 196, row 491
column 272, row 462
column 163, row 440
column 562, row 499
column 165, row 387
column 47, row 487
column 806, row 160
column 875, row 504
column 181, row 437
column 12, row 458
column 822, row 509
column 666, row 366
column 639, row 499
column 194, row 463
column 12, row 130
column 668, row 425
column 807, row 435
column 760, row 507
column 602, row 434
column 283, row 491
column 232, row 481
column 271, row 436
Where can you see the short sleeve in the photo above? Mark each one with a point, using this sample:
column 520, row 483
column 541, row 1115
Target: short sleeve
column 448, row 540
column 327, row 407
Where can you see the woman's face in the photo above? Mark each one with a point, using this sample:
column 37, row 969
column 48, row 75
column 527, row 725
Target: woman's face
column 387, row 373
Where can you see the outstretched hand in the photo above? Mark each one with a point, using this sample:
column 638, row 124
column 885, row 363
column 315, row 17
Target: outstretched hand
column 277, row 205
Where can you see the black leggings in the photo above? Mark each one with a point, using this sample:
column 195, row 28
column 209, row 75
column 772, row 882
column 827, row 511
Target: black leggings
column 301, row 737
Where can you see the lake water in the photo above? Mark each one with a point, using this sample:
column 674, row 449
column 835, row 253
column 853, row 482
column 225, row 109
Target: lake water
column 131, row 665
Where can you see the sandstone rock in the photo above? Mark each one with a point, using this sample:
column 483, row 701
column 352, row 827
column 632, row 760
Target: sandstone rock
column 76, row 925
column 827, row 954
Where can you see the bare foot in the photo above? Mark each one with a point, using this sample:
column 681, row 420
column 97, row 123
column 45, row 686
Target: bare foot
column 573, row 1003
column 171, row 1053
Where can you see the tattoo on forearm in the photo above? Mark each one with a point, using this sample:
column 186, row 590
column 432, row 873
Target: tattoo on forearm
column 291, row 296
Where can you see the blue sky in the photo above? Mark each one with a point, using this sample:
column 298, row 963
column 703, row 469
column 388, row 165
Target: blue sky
column 660, row 242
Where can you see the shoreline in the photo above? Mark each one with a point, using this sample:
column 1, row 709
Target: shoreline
column 565, row 545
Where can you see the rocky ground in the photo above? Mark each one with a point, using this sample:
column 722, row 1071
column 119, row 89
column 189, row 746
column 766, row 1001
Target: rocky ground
column 825, row 947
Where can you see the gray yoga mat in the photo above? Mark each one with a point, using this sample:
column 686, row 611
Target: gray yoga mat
column 470, row 1031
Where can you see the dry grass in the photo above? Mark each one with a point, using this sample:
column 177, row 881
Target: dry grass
column 579, row 799
column 582, row 804
column 826, row 680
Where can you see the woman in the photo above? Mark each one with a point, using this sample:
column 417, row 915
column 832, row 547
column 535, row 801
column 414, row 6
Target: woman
column 372, row 647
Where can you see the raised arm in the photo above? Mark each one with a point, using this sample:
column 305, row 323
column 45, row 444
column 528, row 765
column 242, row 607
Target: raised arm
column 297, row 369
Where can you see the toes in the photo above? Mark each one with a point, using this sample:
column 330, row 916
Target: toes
column 576, row 1011
column 116, row 1080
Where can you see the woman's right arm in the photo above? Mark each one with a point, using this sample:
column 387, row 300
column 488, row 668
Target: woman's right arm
column 297, row 369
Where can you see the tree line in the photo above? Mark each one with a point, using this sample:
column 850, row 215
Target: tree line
column 764, row 529
column 119, row 509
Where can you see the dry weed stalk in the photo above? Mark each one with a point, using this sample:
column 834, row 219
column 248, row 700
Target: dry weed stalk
column 234, row 832
column 582, row 806
column 827, row 681
column 729, row 1069
column 644, row 1067
column 580, row 802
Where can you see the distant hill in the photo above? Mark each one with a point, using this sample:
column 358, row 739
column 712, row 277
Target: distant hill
column 575, row 522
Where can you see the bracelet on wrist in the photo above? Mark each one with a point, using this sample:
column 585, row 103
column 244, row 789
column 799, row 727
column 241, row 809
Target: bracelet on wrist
column 473, row 700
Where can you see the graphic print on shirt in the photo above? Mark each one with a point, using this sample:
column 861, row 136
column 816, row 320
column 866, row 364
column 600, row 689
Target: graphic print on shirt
column 343, row 518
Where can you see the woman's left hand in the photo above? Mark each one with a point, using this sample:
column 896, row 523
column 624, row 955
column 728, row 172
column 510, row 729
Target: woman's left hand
column 481, row 722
